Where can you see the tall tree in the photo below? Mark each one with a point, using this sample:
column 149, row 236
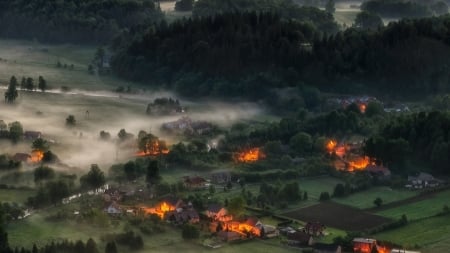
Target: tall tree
column 23, row 83
column 15, row 131
column 29, row 84
column 11, row 94
column 94, row 178
column 368, row 21
column 91, row 246
column 152, row 175
column 42, row 84
column 330, row 6
column 111, row 247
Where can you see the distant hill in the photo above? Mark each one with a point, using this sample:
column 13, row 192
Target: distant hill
column 251, row 55
column 288, row 9
column 76, row 21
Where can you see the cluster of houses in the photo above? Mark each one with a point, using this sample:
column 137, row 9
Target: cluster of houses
column 35, row 156
column 423, row 180
column 187, row 126
column 360, row 101
column 369, row 245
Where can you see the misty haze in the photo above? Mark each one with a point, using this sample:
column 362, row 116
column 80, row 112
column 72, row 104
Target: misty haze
column 225, row 126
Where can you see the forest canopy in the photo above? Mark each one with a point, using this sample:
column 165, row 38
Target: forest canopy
column 76, row 21
column 249, row 53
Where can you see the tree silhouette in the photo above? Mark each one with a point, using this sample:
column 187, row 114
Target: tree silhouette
column 11, row 94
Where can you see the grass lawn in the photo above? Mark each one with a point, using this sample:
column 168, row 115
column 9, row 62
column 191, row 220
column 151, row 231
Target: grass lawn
column 17, row 196
column 317, row 185
column 27, row 58
column 432, row 235
column 365, row 199
column 254, row 246
column 421, row 209
column 35, row 229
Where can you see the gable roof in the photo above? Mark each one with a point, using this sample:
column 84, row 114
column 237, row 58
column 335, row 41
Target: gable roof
column 378, row 169
column 252, row 221
column 173, row 201
column 214, row 208
column 21, row 157
column 300, row 237
column 195, row 180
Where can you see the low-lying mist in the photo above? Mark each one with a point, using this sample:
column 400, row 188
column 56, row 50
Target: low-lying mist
column 80, row 145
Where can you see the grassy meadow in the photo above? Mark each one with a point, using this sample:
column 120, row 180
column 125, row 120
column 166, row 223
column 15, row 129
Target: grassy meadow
column 364, row 200
column 431, row 235
column 421, row 209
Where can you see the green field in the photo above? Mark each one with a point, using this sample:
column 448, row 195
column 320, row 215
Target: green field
column 17, row 196
column 26, row 58
column 431, row 235
column 365, row 199
column 421, row 209
column 34, row 229
column 314, row 186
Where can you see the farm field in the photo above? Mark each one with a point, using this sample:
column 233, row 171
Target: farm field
column 21, row 58
column 431, row 235
column 35, row 229
column 364, row 200
column 343, row 217
column 315, row 186
column 421, row 209
column 17, row 196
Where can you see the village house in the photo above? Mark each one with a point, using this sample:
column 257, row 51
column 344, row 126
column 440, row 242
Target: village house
column 166, row 205
column 112, row 194
column 195, row 183
column 364, row 245
column 379, row 172
column 229, row 236
column 299, row 239
column 250, row 226
column 32, row 135
column 269, row 231
column 314, row 228
column 217, row 212
column 186, row 125
column 182, row 216
column 423, row 180
column 222, row 177
column 21, row 157
column 113, row 209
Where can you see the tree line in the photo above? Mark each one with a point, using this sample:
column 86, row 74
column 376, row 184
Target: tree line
column 76, row 21
column 420, row 138
column 251, row 54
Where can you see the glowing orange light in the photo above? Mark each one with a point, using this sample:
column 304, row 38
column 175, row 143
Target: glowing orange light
column 362, row 108
column 359, row 163
column 159, row 210
column 251, row 155
column 36, row 156
column 331, row 145
column 153, row 148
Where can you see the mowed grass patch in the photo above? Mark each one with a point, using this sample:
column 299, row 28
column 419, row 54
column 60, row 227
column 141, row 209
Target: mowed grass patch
column 315, row 186
column 421, row 209
column 365, row 199
column 35, row 229
column 31, row 59
column 429, row 234
column 254, row 246
column 15, row 196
